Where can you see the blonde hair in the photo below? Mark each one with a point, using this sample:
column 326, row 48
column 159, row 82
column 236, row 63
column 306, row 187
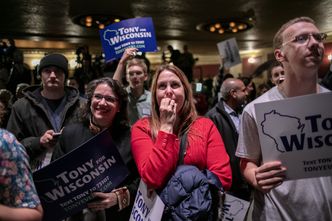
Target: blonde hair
column 188, row 111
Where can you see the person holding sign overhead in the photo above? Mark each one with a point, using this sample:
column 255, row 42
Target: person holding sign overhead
column 156, row 140
column 139, row 99
column 298, row 46
column 106, row 108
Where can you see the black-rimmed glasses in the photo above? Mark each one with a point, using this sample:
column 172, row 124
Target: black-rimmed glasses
column 108, row 99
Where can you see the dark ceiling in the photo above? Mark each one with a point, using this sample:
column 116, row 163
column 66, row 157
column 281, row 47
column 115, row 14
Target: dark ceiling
column 175, row 21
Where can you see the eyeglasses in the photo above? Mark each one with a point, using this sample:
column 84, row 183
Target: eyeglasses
column 108, row 99
column 303, row 38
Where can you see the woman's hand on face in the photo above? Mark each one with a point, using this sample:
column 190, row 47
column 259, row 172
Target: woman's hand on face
column 167, row 111
column 103, row 201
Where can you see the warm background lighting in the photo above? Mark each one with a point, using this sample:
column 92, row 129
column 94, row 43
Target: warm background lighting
column 96, row 21
column 251, row 60
column 237, row 23
column 329, row 57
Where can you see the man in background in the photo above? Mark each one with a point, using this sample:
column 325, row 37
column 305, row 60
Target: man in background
column 277, row 75
column 40, row 115
column 139, row 99
column 226, row 116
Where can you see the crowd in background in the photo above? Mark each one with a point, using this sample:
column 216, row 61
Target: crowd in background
column 152, row 117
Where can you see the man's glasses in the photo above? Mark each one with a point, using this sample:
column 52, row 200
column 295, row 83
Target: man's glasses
column 303, row 38
column 108, row 99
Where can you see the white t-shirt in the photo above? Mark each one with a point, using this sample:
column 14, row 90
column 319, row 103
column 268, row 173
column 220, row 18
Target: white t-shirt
column 303, row 199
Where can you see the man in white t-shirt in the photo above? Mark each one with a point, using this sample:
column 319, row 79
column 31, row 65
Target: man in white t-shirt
column 298, row 46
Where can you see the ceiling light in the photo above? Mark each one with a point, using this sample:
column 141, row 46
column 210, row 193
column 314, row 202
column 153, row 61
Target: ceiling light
column 329, row 57
column 232, row 24
column 88, row 19
column 251, row 60
column 235, row 24
column 96, row 20
column 221, row 31
column 101, row 26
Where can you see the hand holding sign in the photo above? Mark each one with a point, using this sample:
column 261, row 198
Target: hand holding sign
column 129, row 53
column 131, row 33
column 229, row 51
column 269, row 175
column 103, row 201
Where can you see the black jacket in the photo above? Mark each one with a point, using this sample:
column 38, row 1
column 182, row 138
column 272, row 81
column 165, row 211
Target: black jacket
column 230, row 136
column 29, row 119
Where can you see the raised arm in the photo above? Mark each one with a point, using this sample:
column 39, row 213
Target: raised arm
column 121, row 68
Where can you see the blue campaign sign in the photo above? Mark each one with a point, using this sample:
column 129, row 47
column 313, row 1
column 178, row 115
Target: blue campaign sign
column 131, row 33
column 65, row 186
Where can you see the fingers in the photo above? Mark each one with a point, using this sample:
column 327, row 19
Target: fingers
column 48, row 140
column 150, row 193
column 167, row 110
column 130, row 52
column 270, row 175
column 100, row 195
column 102, row 201
column 168, row 105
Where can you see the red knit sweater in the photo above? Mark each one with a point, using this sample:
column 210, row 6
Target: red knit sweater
column 156, row 160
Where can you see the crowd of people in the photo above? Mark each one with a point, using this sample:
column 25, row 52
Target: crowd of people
column 159, row 129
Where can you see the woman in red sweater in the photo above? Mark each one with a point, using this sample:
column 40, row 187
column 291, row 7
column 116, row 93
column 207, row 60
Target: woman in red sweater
column 156, row 140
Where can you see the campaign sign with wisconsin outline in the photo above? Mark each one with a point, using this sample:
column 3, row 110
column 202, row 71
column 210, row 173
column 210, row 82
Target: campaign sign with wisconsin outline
column 298, row 132
column 65, row 186
column 131, row 33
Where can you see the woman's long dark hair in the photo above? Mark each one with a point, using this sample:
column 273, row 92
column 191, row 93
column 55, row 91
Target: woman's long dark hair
column 121, row 118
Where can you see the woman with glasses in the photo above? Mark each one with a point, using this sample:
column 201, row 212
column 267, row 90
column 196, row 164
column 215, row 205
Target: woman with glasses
column 106, row 108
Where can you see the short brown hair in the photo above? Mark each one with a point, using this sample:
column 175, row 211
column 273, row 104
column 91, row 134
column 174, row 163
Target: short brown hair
column 138, row 62
column 278, row 39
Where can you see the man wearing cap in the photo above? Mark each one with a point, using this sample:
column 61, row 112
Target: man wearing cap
column 44, row 110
